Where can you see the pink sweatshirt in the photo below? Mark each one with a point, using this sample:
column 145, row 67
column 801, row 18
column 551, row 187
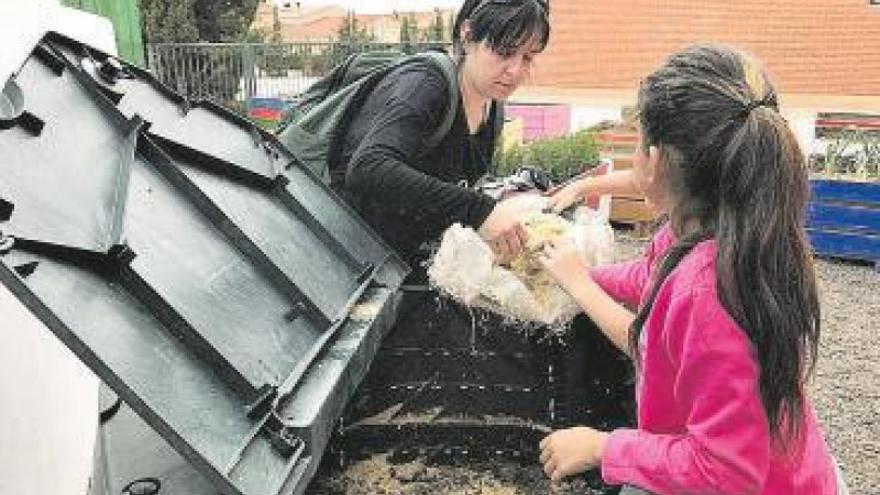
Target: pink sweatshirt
column 702, row 427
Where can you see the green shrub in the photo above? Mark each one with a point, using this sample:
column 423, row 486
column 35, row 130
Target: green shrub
column 560, row 158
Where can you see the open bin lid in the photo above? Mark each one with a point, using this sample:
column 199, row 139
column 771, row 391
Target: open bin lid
column 190, row 261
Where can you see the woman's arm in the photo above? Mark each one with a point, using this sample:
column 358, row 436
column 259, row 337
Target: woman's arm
column 381, row 167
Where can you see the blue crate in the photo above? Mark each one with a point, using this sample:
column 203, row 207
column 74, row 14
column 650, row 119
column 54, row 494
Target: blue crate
column 843, row 219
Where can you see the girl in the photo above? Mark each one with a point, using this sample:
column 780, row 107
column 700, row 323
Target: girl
column 728, row 316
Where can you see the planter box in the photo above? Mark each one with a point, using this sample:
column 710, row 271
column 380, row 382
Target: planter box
column 843, row 219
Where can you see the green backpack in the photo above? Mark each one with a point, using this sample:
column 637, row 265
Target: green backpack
column 312, row 129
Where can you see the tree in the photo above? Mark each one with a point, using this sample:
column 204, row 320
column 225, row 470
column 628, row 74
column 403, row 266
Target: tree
column 409, row 32
column 276, row 26
column 198, row 73
column 187, row 21
column 436, row 30
column 352, row 32
column 415, row 34
column 350, row 38
column 168, row 21
column 223, row 20
column 451, row 25
column 404, row 29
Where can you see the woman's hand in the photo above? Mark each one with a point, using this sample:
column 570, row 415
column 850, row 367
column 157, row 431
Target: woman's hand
column 503, row 231
column 569, row 194
column 571, row 451
column 508, row 244
column 561, row 259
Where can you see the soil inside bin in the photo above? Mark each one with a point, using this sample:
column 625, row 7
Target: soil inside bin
column 377, row 475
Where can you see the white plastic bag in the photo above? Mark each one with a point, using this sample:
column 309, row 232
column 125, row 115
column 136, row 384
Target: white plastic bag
column 464, row 266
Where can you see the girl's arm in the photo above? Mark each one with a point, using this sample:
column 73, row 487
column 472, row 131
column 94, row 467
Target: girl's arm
column 607, row 294
column 611, row 317
column 617, row 183
column 561, row 259
column 724, row 447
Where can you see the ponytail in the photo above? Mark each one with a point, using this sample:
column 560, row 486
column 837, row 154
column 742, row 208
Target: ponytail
column 762, row 244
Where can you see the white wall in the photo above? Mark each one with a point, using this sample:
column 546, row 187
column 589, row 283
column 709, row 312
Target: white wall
column 49, row 410
column 49, row 405
column 23, row 23
column 803, row 123
column 583, row 116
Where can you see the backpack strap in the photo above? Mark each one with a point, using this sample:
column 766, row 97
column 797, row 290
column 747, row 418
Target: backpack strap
column 443, row 62
column 316, row 133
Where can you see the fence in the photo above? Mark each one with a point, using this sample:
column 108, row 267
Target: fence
column 235, row 74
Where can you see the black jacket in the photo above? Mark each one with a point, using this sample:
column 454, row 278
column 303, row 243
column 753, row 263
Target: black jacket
column 410, row 194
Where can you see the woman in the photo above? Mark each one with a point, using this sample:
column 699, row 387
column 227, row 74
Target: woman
column 411, row 194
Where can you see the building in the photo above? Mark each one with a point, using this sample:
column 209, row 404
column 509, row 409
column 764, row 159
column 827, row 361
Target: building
column 822, row 54
column 301, row 24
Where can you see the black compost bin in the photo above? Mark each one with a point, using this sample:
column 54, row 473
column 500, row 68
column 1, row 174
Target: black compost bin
column 224, row 293
column 451, row 381
column 234, row 304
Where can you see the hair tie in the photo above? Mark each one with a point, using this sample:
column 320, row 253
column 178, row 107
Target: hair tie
column 753, row 105
column 767, row 101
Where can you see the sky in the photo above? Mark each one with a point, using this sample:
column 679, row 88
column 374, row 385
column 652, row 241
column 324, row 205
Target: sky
column 380, row 6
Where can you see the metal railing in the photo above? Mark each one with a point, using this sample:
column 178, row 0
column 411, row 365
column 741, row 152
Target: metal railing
column 232, row 74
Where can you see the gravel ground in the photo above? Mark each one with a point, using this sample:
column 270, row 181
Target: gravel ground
column 845, row 392
column 846, row 387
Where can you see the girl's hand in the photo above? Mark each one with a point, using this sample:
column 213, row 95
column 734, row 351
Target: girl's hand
column 561, row 259
column 571, row 451
column 569, row 194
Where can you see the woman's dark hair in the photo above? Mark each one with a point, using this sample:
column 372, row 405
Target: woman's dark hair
column 505, row 25
column 736, row 171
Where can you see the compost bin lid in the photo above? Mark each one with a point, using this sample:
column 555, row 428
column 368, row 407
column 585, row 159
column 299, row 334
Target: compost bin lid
column 190, row 261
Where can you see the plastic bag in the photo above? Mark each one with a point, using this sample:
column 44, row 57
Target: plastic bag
column 464, row 265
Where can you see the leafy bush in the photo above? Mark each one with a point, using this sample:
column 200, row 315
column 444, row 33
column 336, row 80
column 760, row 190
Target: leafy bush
column 851, row 153
column 560, row 158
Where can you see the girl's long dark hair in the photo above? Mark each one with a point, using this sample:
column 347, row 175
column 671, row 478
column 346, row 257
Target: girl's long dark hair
column 737, row 173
